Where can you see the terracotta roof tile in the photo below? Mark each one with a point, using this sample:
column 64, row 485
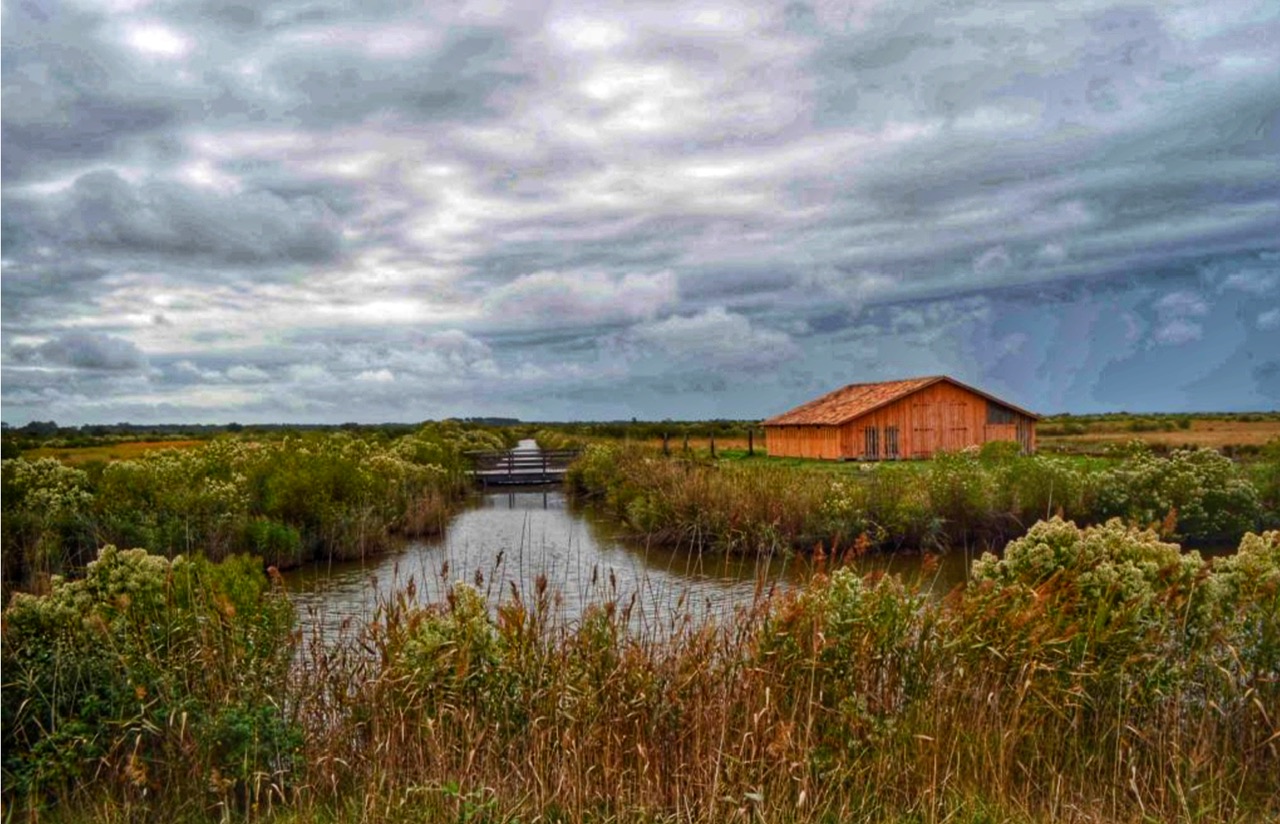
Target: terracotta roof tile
column 849, row 402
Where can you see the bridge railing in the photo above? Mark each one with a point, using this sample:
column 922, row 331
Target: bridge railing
column 533, row 462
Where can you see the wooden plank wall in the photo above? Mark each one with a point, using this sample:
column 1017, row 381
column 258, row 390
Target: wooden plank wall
column 939, row 417
column 803, row 441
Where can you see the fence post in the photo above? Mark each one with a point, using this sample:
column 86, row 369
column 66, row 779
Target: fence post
column 751, row 442
column 666, row 447
column 713, row 444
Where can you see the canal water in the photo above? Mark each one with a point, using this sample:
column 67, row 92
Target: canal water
column 516, row 537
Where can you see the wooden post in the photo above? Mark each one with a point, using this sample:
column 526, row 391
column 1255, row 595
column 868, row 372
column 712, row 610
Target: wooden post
column 666, row 447
column 751, row 442
column 713, row 444
column 686, row 442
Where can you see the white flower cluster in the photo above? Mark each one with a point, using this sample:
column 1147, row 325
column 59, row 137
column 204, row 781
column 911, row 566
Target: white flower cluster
column 45, row 488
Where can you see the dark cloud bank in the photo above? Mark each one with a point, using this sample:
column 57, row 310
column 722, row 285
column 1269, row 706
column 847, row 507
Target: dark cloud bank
column 331, row 212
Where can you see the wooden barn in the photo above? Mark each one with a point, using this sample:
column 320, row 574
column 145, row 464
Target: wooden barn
column 911, row 418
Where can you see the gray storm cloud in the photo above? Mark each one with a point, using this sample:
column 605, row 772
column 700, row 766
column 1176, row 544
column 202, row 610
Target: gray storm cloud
column 717, row 208
column 82, row 350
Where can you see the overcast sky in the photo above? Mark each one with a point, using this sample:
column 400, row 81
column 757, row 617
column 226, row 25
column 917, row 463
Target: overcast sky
column 316, row 211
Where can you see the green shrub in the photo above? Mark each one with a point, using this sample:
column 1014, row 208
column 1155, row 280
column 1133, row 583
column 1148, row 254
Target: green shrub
column 153, row 674
column 1207, row 493
column 961, row 492
column 292, row 499
column 47, row 527
column 276, row 543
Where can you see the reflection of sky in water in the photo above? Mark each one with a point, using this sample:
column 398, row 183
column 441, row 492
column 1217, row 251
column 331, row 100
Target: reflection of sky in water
column 511, row 537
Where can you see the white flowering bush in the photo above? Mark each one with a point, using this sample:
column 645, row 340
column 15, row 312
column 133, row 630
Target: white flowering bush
column 843, row 513
column 960, row 489
column 1207, row 493
column 1112, row 560
column 1117, row 618
column 148, row 671
column 1245, row 608
column 46, row 516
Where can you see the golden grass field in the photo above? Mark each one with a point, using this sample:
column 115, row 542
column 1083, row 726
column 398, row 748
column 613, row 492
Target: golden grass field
column 1203, row 432
column 702, row 442
column 74, row 456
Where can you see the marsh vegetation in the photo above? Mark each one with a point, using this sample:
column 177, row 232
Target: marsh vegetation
column 982, row 496
column 1096, row 672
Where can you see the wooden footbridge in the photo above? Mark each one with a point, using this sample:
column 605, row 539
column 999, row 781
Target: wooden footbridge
column 526, row 464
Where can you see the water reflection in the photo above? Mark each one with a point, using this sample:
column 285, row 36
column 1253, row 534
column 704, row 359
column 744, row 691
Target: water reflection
column 509, row 538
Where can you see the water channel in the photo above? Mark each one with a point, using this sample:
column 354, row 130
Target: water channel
column 511, row 537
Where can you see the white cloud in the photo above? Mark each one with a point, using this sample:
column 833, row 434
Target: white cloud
column 715, row 338
column 993, row 261
column 376, row 376
column 588, row 34
column 247, row 374
column 157, row 40
column 1051, row 253
column 1269, row 320
column 580, row 299
column 1181, row 305
column 1177, row 332
column 1252, row 281
column 309, row 373
column 451, row 353
column 1175, row 312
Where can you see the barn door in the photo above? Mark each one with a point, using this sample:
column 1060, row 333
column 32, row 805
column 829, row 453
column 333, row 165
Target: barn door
column 924, row 430
column 849, row 441
column 957, row 425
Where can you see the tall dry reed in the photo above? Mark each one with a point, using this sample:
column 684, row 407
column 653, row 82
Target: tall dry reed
column 1094, row 674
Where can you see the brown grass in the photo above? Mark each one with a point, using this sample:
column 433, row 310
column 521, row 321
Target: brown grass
column 75, row 456
column 702, row 443
column 1210, row 433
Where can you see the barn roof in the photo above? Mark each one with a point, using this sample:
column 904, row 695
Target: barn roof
column 857, row 399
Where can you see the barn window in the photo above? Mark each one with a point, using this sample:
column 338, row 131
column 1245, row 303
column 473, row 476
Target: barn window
column 997, row 413
column 891, row 441
column 873, row 442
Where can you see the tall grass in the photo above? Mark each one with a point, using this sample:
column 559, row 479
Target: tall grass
column 986, row 496
column 1094, row 674
column 290, row 500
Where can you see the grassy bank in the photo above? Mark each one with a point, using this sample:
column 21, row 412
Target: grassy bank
column 1090, row 675
column 767, row 505
column 290, row 499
